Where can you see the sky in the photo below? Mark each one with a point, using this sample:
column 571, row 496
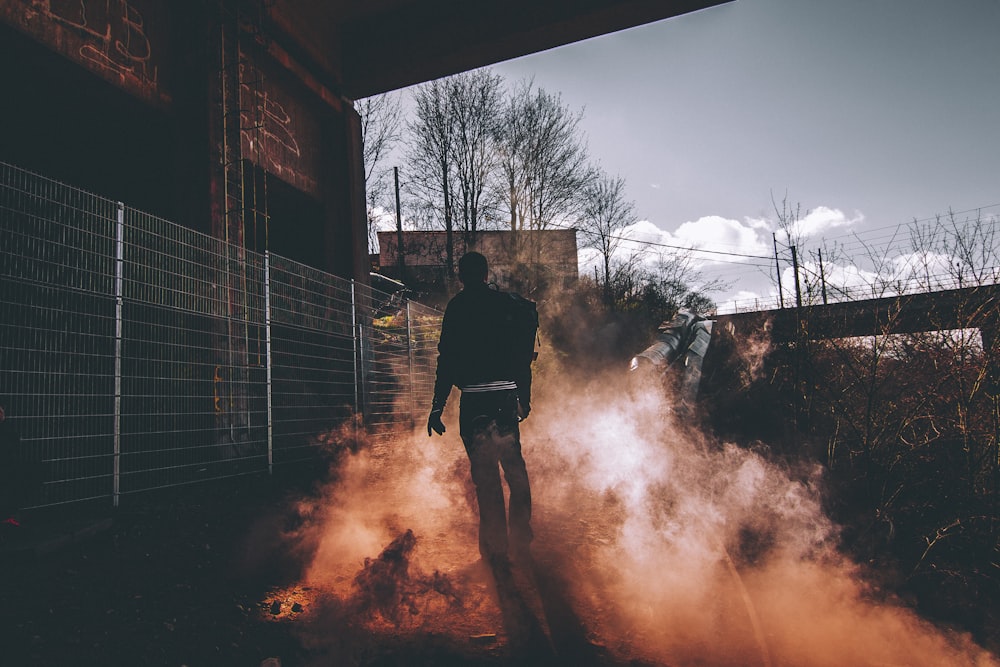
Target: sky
column 866, row 114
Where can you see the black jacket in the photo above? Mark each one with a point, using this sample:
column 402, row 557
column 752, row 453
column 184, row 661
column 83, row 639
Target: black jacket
column 476, row 345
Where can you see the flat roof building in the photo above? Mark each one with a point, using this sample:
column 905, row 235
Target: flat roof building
column 537, row 259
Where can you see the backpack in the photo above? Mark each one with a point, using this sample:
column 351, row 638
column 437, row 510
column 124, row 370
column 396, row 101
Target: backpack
column 522, row 328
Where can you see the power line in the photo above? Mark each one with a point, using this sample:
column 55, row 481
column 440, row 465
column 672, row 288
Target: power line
column 854, row 245
column 865, row 241
column 897, row 226
column 856, row 237
column 686, row 249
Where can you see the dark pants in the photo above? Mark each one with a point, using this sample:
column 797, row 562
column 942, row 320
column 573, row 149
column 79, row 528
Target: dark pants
column 488, row 425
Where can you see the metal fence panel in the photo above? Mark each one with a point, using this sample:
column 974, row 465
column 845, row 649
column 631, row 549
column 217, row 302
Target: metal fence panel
column 136, row 353
column 387, row 371
column 57, row 314
column 192, row 387
column 314, row 381
column 425, row 329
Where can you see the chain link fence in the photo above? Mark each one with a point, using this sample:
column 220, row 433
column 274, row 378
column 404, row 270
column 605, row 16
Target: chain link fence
column 137, row 354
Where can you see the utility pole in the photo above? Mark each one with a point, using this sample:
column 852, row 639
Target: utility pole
column 822, row 275
column 777, row 268
column 799, row 352
column 795, row 267
column 399, row 228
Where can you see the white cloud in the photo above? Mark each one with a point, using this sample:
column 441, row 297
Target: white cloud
column 924, row 267
column 713, row 232
column 839, row 279
column 640, row 239
column 588, row 258
column 385, row 219
column 762, row 224
column 750, row 236
column 823, row 218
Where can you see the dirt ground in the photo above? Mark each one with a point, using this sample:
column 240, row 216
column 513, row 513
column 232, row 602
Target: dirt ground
column 152, row 583
column 184, row 577
column 202, row 576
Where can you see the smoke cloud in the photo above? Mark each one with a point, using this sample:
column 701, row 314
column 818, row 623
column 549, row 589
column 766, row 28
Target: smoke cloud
column 668, row 548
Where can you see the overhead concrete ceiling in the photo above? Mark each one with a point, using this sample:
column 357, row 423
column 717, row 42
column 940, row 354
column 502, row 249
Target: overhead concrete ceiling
column 369, row 47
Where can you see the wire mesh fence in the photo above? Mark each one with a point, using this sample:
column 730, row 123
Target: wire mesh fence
column 136, row 353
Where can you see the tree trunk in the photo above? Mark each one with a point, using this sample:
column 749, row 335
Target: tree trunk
column 449, row 226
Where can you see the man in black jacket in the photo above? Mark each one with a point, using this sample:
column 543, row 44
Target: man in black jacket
column 476, row 355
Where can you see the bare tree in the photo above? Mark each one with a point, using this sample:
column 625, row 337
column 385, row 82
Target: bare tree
column 788, row 223
column 606, row 213
column 544, row 159
column 678, row 270
column 468, row 151
column 512, row 141
column 381, row 122
column 430, row 157
column 960, row 253
column 475, row 104
column 910, row 410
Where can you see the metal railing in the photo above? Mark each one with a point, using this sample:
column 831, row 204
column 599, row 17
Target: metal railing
column 136, row 353
column 879, row 287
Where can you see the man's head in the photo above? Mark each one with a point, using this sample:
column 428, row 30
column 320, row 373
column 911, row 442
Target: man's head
column 472, row 268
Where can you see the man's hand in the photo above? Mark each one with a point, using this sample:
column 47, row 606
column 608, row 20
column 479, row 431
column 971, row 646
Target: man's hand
column 434, row 423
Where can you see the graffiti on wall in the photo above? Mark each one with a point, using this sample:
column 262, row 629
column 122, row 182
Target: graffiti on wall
column 108, row 37
column 276, row 133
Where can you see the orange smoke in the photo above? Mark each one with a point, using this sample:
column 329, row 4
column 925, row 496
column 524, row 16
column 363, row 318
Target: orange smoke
column 675, row 549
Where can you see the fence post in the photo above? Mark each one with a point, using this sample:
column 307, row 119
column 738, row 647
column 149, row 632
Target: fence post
column 267, row 343
column 409, row 360
column 356, row 343
column 119, row 280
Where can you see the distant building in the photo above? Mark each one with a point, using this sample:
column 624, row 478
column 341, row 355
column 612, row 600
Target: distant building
column 541, row 259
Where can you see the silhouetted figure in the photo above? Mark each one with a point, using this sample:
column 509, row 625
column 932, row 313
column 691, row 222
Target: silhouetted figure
column 481, row 354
